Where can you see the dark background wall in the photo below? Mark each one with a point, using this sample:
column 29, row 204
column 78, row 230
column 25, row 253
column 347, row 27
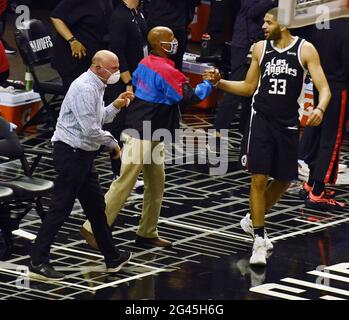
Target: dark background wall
column 43, row 4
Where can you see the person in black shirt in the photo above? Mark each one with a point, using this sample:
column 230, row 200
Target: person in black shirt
column 82, row 26
column 128, row 36
column 220, row 22
column 321, row 145
column 128, row 40
column 275, row 77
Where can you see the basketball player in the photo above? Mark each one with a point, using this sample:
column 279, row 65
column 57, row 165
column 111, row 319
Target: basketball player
column 275, row 77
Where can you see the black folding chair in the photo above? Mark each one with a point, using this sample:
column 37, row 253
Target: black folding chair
column 27, row 190
column 35, row 44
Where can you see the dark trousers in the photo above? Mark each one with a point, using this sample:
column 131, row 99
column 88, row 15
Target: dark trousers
column 220, row 22
column 320, row 146
column 181, row 36
column 77, row 178
column 229, row 106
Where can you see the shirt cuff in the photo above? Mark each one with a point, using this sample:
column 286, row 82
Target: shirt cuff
column 113, row 142
column 112, row 110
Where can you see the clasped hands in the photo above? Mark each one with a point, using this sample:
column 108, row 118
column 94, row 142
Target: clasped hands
column 212, row 75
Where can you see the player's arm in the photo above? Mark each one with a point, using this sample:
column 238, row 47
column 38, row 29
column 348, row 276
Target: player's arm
column 247, row 87
column 311, row 60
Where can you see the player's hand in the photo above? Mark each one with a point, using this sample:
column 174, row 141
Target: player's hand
column 115, row 154
column 212, row 75
column 315, row 118
column 78, row 49
column 123, row 100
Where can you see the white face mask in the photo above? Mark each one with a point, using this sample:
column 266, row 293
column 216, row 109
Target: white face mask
column 174, row 46
column 114, row 78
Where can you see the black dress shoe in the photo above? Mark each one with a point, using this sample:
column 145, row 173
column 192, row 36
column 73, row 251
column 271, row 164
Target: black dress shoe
column 115, row 265
column 44, row 271
column 153, row 242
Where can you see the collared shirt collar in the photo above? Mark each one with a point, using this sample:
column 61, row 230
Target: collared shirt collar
column 94, row 78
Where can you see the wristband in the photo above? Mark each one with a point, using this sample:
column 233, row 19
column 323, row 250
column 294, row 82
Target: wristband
column 323, row 111
column 71, row 39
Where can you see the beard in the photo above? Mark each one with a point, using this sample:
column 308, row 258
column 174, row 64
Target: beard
column 275, row 34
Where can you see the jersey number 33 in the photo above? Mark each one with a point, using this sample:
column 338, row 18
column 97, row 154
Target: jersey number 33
column 277, row 86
